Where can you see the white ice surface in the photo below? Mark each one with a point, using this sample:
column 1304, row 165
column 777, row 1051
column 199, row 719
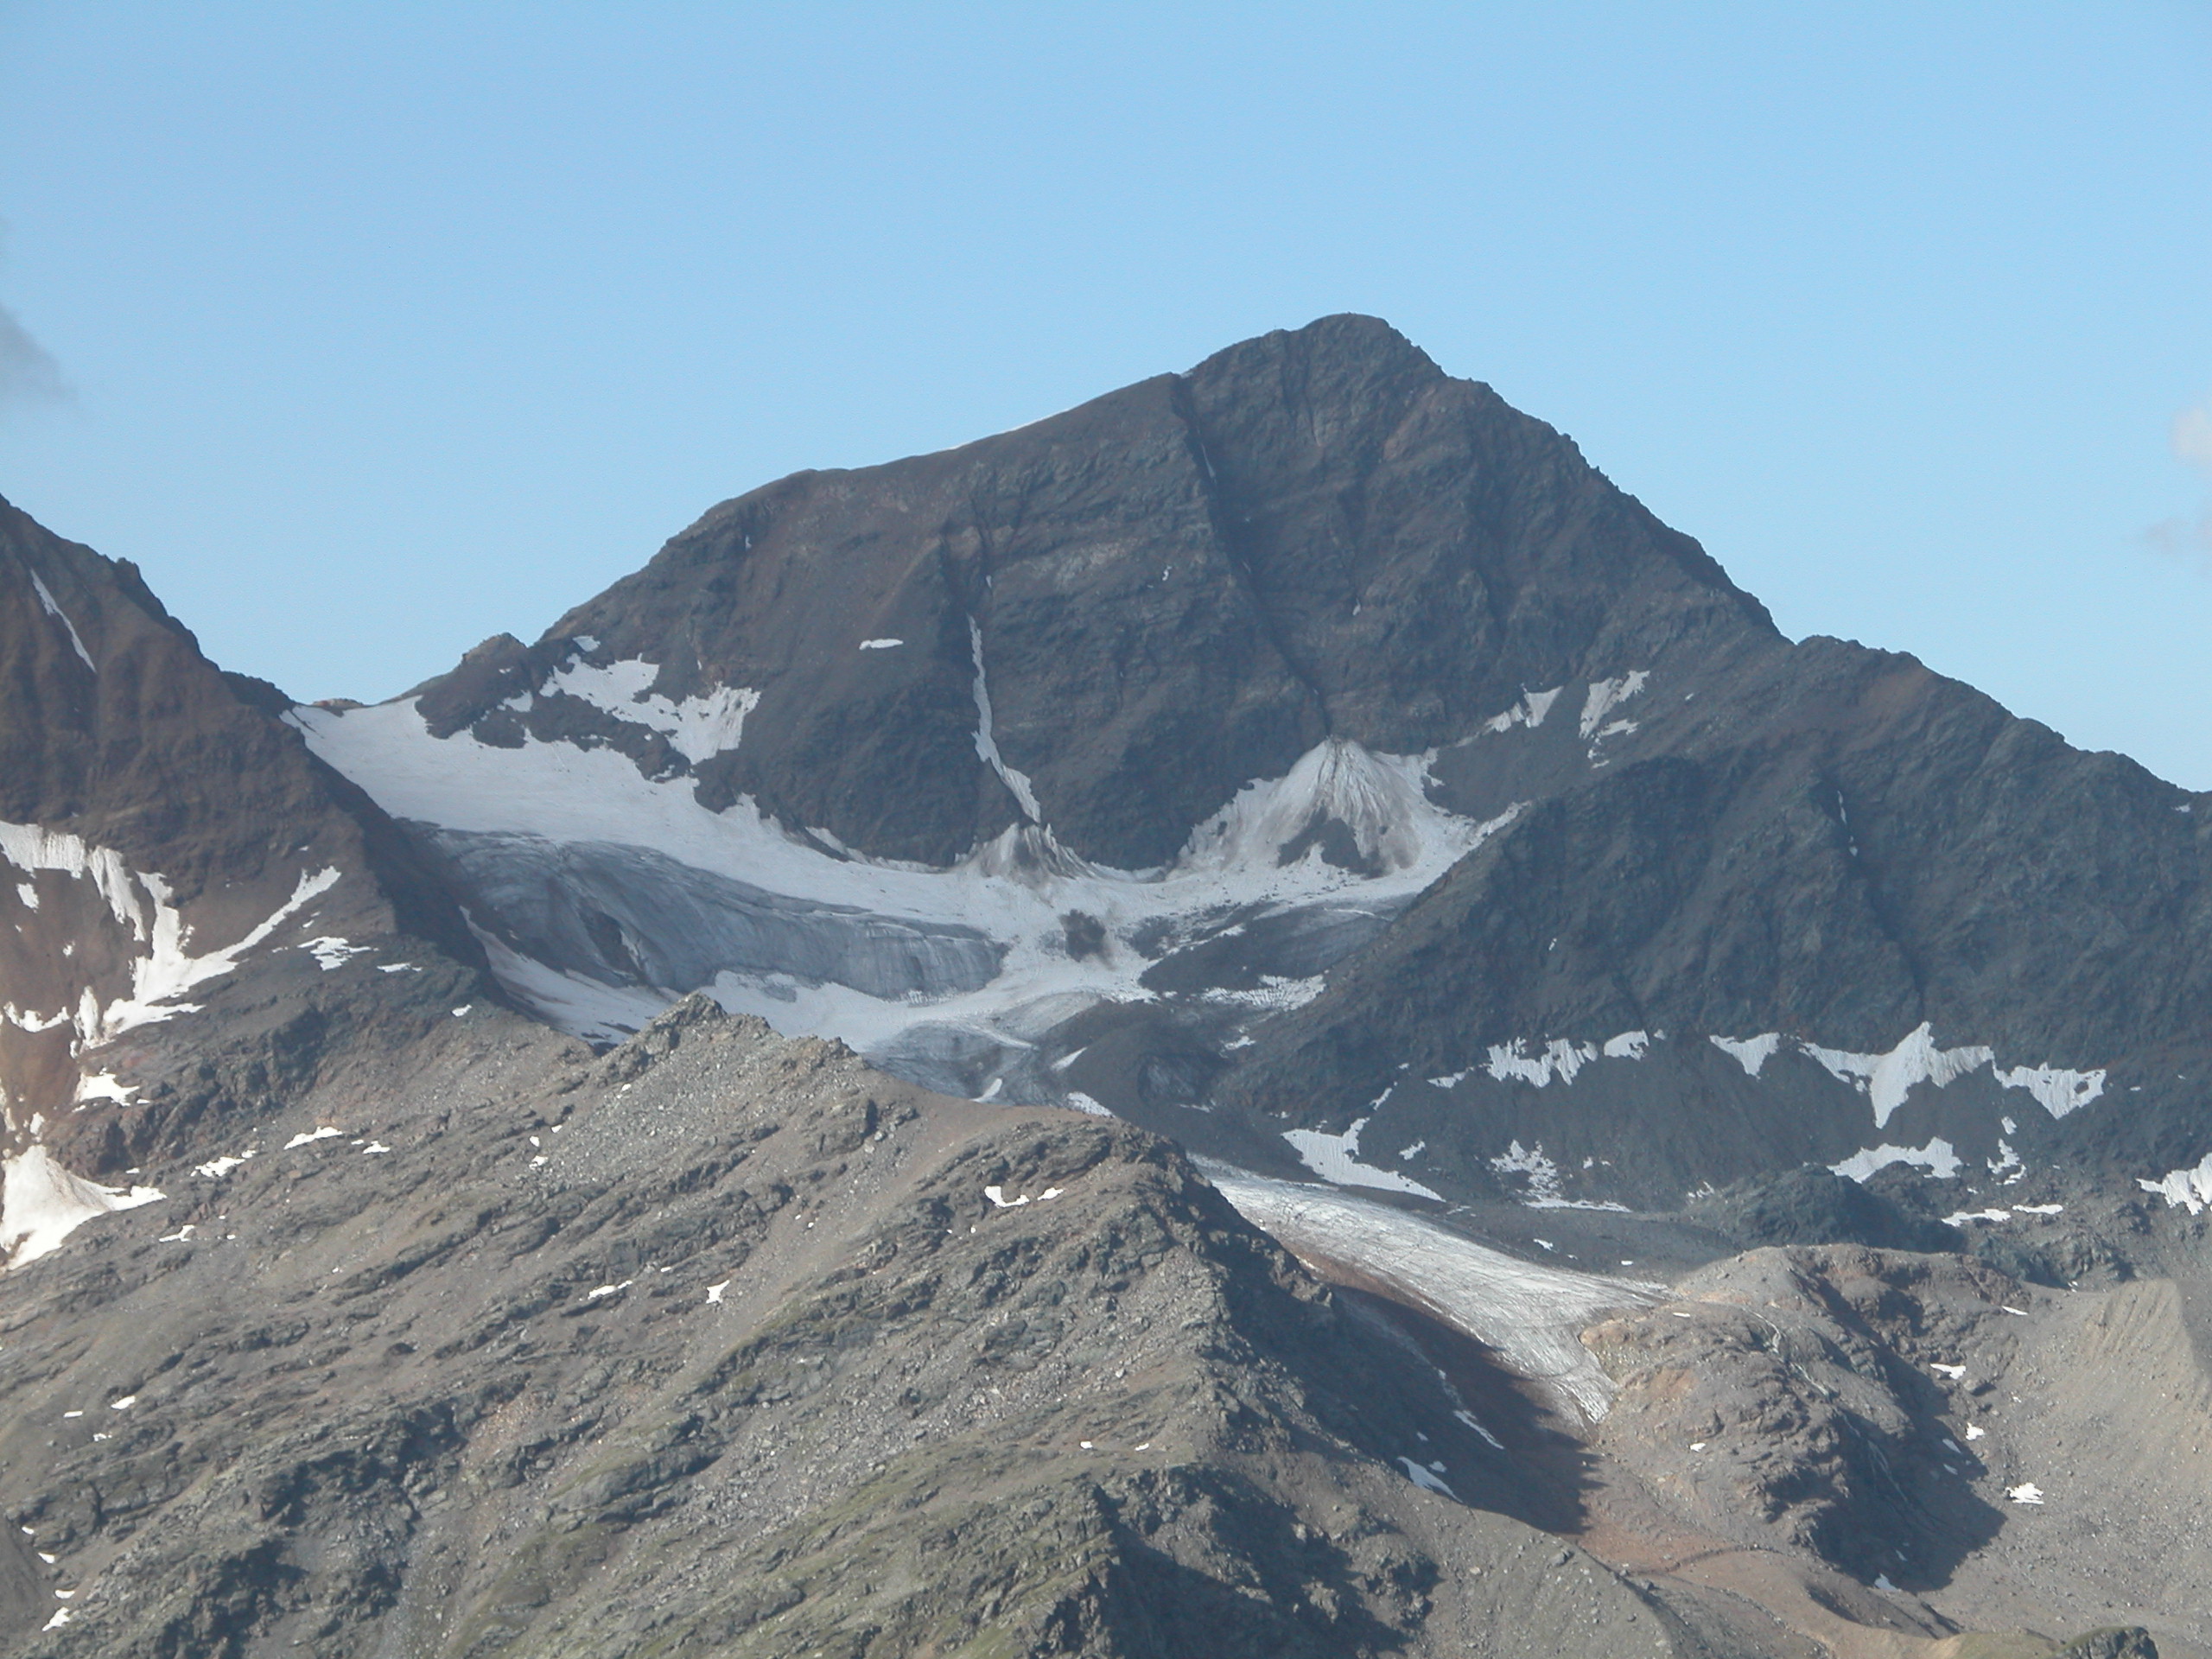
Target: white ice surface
column 698, row 729
column 1336, row 1158
column 1529, row 711
column 1939, row 1158
column 1531, row 1315
column 586, row 1007
column 1750, row 1052
column 2184, row 1189
column 41, row 1203
column 1606, row 695
column 53, row 610
column 569, row 794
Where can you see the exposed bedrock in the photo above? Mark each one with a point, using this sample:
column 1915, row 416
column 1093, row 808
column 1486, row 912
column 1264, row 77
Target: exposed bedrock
column 1167, row 592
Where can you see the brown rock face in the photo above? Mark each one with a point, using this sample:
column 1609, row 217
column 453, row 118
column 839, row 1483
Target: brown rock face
column 164, row 838
column 1169, row 591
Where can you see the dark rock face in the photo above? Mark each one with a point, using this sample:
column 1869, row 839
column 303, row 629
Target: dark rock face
column 1815, row 1206
column 1817, row 841
column 170, row 842
column 1170, row 591
column 1833, row 1366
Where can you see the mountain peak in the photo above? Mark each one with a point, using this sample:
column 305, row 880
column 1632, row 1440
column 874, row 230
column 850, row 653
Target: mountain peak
column 1161, row 595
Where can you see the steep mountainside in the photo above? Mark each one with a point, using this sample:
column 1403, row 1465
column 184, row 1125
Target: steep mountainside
column 185, row 888
column 1676, row 1141
column 1310, row 747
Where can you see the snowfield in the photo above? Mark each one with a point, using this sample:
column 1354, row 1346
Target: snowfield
column 1531, row 1316
column 648, row 842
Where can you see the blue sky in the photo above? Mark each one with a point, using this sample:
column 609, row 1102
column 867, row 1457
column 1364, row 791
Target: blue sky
column 370, row 331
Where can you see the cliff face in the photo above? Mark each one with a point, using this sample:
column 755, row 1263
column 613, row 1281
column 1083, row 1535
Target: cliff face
column 1168, row 593
column 169, row 847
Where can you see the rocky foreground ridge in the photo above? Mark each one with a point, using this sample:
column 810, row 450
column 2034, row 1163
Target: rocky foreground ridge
column 1260, row 1017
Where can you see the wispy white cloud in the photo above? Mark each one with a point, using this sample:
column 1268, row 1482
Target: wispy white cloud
column 29, row 374
column 2192, row 436
column 2184, row 538
column 2180, row 538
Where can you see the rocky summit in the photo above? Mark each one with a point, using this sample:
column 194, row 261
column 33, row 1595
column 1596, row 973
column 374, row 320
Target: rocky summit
column 1258, row 1018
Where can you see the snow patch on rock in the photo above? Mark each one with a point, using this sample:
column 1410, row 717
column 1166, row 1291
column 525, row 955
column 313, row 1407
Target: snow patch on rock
column 1538, row 1064
column 1520, row 1060
column 1605, row 696
column 330, row 952
column 41, row 1203
column 987, row 742
column 54, row 610
column 1939, row 1158
column 1529, row 711
column 1335, row 1157
column 1750, row 1052
column 1887, row 1079
column 2184, row 1189
column 2056, row 1091
column 698, row 729
column 140, row 901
